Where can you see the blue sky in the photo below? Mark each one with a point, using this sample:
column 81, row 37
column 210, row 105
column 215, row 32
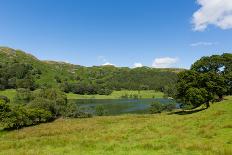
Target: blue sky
column 158, row 33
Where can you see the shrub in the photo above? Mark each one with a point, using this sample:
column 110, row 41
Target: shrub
column 100, row 111
column 4, row 110
column 23, row 95
column 73, row 111
column 18, row 116
column 156, row 107
column 50, row 99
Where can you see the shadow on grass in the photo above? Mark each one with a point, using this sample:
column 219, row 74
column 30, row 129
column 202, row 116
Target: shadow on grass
column 21, row 127
column 186, row 112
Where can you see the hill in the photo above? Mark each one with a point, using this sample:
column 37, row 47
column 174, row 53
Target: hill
column 203, row 132
column 49, row 70
column 88, row 80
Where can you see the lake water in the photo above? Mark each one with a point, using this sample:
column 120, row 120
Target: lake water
column 117, row 106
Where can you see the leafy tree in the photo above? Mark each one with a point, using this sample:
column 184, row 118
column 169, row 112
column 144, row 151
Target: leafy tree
column 50, row 99
column 208, row 80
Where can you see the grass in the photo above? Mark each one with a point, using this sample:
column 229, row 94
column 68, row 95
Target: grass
column 10, row 93
column 207, row 132
column 119, row 94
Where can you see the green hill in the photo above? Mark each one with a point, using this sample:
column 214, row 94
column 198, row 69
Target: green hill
column 207, row 132
column 96, row 79
column 49, row 70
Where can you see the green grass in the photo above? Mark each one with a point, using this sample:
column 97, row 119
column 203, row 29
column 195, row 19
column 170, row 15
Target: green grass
column 206, row 132
column 118, row 95
column 10, row 93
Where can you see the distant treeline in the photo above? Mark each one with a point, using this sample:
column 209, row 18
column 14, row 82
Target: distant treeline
column 103, row 80
column 21, row 70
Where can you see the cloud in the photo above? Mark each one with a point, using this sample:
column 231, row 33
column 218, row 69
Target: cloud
column 213, row 12
column 102, row 58
column 137, row 64
column 108, row 64
column 203, row 44
column 104, row 61
column 165, row 62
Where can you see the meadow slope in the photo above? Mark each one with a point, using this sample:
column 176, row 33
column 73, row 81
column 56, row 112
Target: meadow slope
column 11, row 93
column 206, row 132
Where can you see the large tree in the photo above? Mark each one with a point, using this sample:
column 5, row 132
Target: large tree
column 209, row 79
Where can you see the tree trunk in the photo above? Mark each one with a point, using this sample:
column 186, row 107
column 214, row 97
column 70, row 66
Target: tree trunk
column 207, row 105
column 220, row 97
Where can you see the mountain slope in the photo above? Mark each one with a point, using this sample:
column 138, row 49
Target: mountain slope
column 101, row 77
column 49, row 70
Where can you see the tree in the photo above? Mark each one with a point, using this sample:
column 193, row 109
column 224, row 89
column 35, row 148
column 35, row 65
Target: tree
column 197, row 96
column 50, row 99
column 209, row 79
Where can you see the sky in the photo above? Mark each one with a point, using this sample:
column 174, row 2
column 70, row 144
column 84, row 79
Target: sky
column 132, row 33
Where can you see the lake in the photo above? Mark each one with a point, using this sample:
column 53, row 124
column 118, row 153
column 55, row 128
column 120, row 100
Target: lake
column 117, row 106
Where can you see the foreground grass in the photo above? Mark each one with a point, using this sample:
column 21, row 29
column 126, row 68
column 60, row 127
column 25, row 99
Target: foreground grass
column 119, row 94
column 206, row 132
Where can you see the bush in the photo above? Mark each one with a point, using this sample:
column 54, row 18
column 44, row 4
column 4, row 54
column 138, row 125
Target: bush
column 157, row 107
column 4, row 98
column 100, row 111
column 18, row 116
column 23, row 95
column 73, row 111
column 169, row 106
column 42, row 106
column 50, row 99
column 4, row 110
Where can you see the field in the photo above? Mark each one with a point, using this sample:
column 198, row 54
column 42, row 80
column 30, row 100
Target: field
column 10, row 93
column 206, row 132
column 119, row 94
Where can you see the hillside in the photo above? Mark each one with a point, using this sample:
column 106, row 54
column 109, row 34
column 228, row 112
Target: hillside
column 204, row 132
column 49, row 70
column 94, row 80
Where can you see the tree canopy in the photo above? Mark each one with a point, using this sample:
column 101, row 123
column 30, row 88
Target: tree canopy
column 208, row 80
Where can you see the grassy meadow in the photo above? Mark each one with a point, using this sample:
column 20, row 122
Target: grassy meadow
column 10, row 93
column 119, row 94
column 206, row 132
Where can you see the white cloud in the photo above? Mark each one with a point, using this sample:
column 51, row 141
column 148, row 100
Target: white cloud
column 165, row 62
column 213, row 12
column 137, row 64
column 203, row 44
column 104, row 61
column 108, row 64
column 102, row 58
